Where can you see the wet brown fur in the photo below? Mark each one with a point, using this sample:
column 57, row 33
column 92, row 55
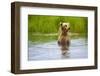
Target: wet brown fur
column 63, row 37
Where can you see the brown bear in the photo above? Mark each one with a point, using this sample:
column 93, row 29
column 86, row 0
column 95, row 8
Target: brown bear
column 63, row 37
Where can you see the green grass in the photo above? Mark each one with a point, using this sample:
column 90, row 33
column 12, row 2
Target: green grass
column 42, row 24
column 41, row 38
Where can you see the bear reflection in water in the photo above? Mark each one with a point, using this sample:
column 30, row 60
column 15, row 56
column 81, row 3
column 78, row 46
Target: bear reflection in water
column 63, row 37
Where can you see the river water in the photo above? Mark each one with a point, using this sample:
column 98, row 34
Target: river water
column 50, row 50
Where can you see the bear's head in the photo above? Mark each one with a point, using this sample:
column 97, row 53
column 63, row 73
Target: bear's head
column 65, row 27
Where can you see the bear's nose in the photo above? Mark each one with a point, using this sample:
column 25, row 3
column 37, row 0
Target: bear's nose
column 66, row 28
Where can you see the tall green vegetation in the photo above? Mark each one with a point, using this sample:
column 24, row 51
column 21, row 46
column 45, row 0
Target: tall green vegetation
column 50, row 24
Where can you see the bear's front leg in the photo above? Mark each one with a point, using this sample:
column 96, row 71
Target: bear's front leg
column 68, row 44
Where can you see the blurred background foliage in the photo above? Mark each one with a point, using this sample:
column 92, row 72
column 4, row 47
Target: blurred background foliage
column 50, row 24
column 39, row 25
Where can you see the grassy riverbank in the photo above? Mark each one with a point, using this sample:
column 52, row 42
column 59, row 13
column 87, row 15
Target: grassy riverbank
column 45, row 28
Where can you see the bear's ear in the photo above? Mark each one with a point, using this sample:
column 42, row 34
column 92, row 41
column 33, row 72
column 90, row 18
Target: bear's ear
column 60, row 23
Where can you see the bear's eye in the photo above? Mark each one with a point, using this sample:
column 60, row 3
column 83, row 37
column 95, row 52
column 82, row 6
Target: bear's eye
column 65, row 25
